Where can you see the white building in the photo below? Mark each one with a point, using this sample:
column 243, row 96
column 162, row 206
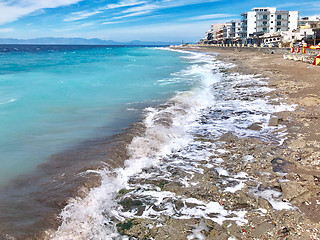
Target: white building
column 305, row 22
column 236, row 29
column 268, row 20
column 211, row 35
column 298, row 35
column 227, row 30
column 232, row 30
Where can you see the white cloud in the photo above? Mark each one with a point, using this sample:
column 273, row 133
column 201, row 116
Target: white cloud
column 85, row 14
column 146, row 7
column 12, row 10
column 135, row 8
column 6, row 30
column 126, row 3
column 108, row 23
column 134, row 14
column 81, row 15
column 301, row 4
column 210, row 16
column 164, row 4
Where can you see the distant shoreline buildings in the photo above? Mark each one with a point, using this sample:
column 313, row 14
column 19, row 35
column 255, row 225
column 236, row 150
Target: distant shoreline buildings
column 264, row 26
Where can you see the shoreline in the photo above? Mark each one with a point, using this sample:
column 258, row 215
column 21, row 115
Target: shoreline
column 289, row 172
column 281, row 168
column 31, row 204
column 55, row 183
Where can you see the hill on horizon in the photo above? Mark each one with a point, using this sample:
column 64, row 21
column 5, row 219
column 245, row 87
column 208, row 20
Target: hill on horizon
column 80, row 41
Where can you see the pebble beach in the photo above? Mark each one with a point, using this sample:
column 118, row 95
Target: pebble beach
column 265, row 182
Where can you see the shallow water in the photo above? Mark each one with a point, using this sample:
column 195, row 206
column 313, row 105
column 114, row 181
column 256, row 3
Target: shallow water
column 52, row 97
column 60, row 108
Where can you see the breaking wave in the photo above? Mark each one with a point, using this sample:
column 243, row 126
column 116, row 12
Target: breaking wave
column 218, row 104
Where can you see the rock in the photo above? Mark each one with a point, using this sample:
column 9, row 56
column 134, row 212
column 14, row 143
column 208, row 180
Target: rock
column 307, row 177
column 255, row 127
column 129, row 204
column 179, row 204
column 309, row 101
column 263, row 203
column 280, row 165
column 244, row 199
column 216, row 231
column 174, row 229
column 215, row 235
column 124, row 191
column 292, row 190
column 297, row 143
column 261, row 229
column 233, row 229
column 125, row 226
column 274, row 121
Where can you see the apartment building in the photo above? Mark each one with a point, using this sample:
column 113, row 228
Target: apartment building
column 267, row 20
column 236, row 28
column 316, row 28
column 231, row 31
column 219, row 35
column 227, row 30
column 306, row 22
column 212, row 34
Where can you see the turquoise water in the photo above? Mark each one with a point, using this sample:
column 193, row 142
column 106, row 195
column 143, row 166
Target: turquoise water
column 53, row 98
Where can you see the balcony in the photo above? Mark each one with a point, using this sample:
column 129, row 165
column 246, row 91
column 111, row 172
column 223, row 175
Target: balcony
column 282, row 19
column 263, row 19
column 263, row 25
column 244, row 15
column 260, row 29
column 282, row 25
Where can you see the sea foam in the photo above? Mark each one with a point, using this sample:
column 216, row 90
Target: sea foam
column 170, row 142
column 93, row 214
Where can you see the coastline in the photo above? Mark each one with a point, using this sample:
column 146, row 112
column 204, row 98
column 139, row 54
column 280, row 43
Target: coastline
column 289, row 172
column 252, row 171
column 31, row 203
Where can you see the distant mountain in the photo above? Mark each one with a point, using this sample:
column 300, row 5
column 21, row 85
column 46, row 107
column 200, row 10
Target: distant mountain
column 80, row 41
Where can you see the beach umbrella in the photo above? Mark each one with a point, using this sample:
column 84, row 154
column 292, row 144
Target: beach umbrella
column 315, row 47
column 317, row 60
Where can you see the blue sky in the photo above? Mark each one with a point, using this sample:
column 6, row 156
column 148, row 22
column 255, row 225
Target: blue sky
column 125, row 20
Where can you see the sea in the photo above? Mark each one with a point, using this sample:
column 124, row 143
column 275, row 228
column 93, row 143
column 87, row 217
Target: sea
column 78, row 123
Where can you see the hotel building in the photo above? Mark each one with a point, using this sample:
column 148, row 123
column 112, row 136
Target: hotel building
column 267, row 20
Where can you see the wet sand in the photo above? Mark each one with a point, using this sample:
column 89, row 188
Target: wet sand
column 293, row 169
column 31, row 204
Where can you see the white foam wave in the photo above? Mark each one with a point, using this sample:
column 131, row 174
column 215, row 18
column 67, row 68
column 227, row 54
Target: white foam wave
column 212, row 108
column 166, row 132
column 8, row 101
column 273, row 197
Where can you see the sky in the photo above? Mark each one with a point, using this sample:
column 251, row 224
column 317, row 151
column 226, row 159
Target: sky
column 126, row 20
